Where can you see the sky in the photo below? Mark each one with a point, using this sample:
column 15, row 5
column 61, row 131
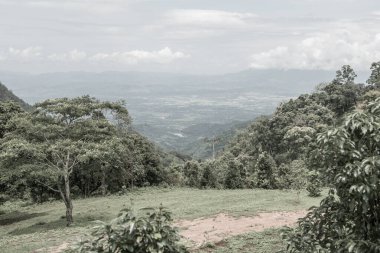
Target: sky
column 187, row 36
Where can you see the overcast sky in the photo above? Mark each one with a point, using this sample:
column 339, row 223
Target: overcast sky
column 187, row 36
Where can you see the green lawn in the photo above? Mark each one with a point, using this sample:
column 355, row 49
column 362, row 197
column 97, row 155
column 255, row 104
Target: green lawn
column 24, row 229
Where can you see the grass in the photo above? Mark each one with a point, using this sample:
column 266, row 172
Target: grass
column 24, row 229
column 268, row 241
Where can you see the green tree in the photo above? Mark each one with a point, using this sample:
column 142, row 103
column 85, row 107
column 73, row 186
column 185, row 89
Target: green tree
column 342, row 92
column 265, row 171
column 235, row 177
column 8, row 110
column 192, row 173
column 208, row 178
column 60, row 135
column 347, row 220
column 374, row 78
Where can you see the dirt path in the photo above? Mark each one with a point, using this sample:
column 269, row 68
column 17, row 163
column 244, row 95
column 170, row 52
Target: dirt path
column 55, row 249
column 221, row 226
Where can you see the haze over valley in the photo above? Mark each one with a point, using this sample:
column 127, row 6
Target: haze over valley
column 177, row 111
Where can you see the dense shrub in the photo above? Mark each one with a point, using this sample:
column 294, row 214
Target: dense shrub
column 192, row 172
column 235, row 175
column 314, row 184
column 150, row 232
column 347, row 220
column 266, row 169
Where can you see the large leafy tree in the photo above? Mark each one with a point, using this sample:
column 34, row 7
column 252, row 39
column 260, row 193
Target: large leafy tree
column 374, row 78
column 8, row 110
column 348, row 219
column 342, row 92
column 60, row 135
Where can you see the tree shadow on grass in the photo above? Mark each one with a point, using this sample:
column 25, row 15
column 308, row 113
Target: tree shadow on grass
column 13, row 217
column 79, row 221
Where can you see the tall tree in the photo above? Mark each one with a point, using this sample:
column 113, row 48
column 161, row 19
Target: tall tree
column 347, row 220
column 374, row 78
column 62, row 133
column 8, row 110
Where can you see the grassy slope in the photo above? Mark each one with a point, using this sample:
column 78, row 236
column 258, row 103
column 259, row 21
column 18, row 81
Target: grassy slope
column 27, row 228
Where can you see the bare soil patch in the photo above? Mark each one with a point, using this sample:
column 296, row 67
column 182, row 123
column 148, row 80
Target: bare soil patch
column 221, row 226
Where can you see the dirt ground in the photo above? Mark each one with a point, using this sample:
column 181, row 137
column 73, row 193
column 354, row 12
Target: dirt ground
column 221, row 226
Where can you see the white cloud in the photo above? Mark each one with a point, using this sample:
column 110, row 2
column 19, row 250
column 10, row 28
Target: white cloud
column 208, row 17
column 94, row 6
column 73, row 55
column 165, row 55
column 26, row 53
column 327, row 50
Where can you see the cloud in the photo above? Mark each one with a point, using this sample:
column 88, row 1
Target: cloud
column 90, row 6
column 26, row 53
column 74, row 56
column 165, row 55
column 218, row 18
column 327, row 51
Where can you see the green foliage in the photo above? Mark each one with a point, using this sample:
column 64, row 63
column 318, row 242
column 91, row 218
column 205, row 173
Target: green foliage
column 192, row 173
column 235, row 175
column 150, row 232
column 209, row 179
column 265, row 171
column 346, row 220
column 7, row 96
column 374, row 78
column 80, row 143
column 314, row 184
column 8, row 110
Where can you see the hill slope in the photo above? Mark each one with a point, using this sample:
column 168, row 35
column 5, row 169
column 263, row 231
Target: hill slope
column 6, row 95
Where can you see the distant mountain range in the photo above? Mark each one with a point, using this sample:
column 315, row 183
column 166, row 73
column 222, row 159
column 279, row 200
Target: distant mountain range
column 176, row 110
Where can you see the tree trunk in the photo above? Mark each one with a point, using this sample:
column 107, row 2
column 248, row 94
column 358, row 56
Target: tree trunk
column 104, row 186
column 66, row 196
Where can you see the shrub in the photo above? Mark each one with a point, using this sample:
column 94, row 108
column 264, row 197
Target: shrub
column 150, row 232
column 209, row 179
column 314, row 184
column 234, row 178
column 265, row 169
column 347, row 220
column 192, row 173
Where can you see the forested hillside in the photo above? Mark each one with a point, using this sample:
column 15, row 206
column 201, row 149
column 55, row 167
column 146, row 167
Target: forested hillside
column 6, row 95
column 275, row 151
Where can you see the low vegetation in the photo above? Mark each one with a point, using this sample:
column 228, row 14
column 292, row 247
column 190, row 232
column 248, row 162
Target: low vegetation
column 25, row 228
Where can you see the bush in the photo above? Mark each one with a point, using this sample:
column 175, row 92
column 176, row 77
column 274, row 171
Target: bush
column 234, row 178
column 265, row 171
column 314, row 184
column 209, row 179
column 148, row 233
column 192, row 173
column 347, row 220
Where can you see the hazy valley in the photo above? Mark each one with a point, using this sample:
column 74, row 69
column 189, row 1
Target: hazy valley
column 177, row 111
